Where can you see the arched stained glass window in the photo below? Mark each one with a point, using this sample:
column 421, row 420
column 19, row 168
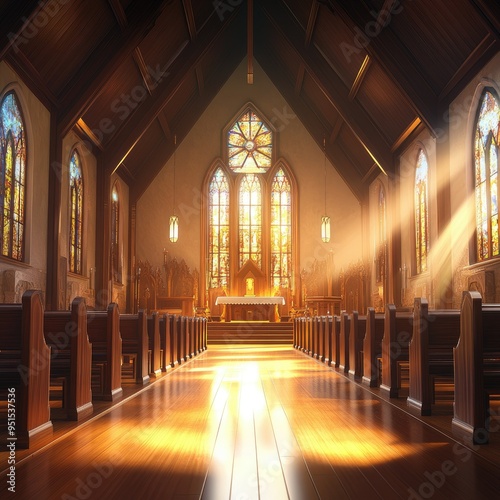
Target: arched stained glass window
column 12, row 177
column 250, row 220
column 115, row 235
column 249, row 144
column 281, row 231
column 218, row 217
column 421, row 213
column 382, row 235
column 487, row 136
column 76, row 216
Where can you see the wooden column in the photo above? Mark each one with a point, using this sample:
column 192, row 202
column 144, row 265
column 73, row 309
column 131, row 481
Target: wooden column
column 55, row 289
column 103, row 237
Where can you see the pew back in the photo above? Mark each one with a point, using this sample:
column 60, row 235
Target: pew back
column 104, row 334
column 25, row 367
column 476, row 366
column 435, row 334
column 372, row 347
column 66, row 333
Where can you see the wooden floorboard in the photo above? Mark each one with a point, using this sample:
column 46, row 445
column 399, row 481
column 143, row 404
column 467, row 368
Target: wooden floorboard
column 257, row 422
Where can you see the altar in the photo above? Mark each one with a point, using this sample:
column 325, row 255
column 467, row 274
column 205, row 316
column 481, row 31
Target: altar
column 250, row 308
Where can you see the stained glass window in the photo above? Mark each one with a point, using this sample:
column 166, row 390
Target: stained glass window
column 12, row 177
column 382, row 235
column 76, row 217
column 250, row 220
column 250, row 144
column 115, row 235
column 487, row 136
column 421, row 215
column 281, row 231
column 218, row 216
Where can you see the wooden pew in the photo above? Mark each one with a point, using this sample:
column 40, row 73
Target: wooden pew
column 356, row 335
column 154, row 363
column 345, row 325
column 323, row 339
column 397, row 334
column 315, row 351
column 296, row 333
column 71, row 357
column 477, row 367
column 335, row 342
column 135, row 344
column 306, row 345
column 372, row 347
column 196, row 335
column 203, row 334
column 182, row 339
column 103, row 328
column 174, row 339
column 435, row 334
column 165, row 349
column 25, row 369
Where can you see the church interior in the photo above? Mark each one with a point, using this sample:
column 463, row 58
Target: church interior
column 181, row 178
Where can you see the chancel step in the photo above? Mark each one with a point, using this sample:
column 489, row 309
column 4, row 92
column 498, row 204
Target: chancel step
column 249, row 332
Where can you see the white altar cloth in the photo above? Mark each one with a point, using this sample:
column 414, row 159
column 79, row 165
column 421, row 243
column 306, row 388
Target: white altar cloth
column 249, row 300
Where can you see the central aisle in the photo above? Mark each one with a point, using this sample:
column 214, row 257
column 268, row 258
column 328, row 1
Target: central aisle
column 255, row 422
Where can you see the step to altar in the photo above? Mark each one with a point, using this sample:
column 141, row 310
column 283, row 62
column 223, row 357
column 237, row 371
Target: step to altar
column 249, row 332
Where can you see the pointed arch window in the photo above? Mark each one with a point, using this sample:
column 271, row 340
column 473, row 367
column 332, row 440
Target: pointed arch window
column 250, row 220
column 487, row 137
column 115, row 235
column 249, row 144
column 12, row 177
column 421, row 212
column 382, row 236
column 281, row 230
column 218, row 216
column 76, row 216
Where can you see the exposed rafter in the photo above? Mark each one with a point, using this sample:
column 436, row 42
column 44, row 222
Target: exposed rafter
column 138, row 123
column 249, row 42
column 330, row 84
column 93, row 74
column 387, row 49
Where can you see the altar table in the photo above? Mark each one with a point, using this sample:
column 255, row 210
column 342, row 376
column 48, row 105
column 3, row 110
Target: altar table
column 249, row 308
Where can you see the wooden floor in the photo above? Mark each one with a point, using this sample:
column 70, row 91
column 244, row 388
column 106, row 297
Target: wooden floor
column 256, row 422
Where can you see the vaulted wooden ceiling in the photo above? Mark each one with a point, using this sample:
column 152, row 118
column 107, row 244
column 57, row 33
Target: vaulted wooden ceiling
column 367, row 75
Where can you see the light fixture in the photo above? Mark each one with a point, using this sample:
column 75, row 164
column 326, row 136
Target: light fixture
column 174, row 219
column 325, row 220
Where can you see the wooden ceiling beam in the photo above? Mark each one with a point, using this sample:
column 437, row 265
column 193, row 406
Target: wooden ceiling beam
column 165, row 127
column 200, row 80
column 31, row 77
column 311, row 22
column 300, row 79
column 86, row 84
column 190, row 19
column 182, row 68
column 327, row 80
column 250, row 42
column 388, row 50
column 316, row 128
column 184, row 122
column 490, row 15
column 363, row 70
column 478, row 58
